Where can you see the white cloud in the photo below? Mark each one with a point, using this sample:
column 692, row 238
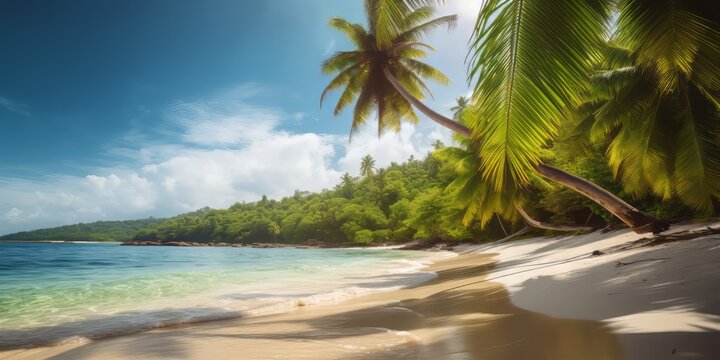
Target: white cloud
column 390, row 147
column 230, row 151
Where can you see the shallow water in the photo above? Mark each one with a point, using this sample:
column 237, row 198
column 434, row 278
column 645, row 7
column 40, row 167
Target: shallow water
column 459, row 314
column 57, row 292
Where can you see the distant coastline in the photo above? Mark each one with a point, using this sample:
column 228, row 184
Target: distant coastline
column 60, row 241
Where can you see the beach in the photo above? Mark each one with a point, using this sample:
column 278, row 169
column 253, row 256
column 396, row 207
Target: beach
column 539, row 298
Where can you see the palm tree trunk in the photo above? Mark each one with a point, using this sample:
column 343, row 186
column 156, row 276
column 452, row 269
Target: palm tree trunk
column 547, row 226
column 448, row 123
column 632, row 217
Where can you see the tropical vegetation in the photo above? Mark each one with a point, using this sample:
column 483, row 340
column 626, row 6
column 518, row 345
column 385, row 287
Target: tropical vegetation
column 534, row 65
column 96, row 231
column 393, row 204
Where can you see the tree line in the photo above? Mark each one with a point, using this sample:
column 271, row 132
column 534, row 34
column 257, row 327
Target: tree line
column 638, row 80
column 399, row 203
column 96, row 231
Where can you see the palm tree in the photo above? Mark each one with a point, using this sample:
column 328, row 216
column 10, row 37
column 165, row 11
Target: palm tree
column 274, row 229
column 367, row 166
column 346, row 180
column 383, row 73
column 529, row 60
column 346, row 185
column 462, row 104
column 661, row 126
column 480, row 201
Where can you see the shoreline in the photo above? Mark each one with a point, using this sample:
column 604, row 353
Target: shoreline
column 61, row 241
column 498, row 301
column 418, row 245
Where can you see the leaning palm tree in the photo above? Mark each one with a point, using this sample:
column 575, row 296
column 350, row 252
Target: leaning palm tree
column 462, row 103
column 370, row 73
column 475, row 196
column 662, row 138
column 367, row 166
column 530, row 61
column 529, row 80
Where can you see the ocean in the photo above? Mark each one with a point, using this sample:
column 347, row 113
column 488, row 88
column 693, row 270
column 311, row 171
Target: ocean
column 52, row 293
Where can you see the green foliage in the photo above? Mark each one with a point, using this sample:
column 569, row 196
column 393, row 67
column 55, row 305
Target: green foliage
column 367, row 166
column 530, row 61
column 653, row 103
column 96, row 231
column 399, row 203
column 462, row 104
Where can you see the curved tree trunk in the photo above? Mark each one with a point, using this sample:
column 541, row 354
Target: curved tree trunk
column 632, row 217
column 448, row 123
column 547, row 226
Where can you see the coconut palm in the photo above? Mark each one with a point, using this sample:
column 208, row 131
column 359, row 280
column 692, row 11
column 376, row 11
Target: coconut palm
column 346, row 186
column 663, row 138
column 367, row 166
column 478, row 200
column 346, row 180
column 384, row 67
column 462, row 104
column 530, row 61
column 383, row 75
column 274, row 229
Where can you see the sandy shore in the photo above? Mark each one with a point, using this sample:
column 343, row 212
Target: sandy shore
column 541, row 298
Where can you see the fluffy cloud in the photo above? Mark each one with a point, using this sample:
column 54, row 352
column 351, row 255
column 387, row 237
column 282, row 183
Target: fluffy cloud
column 229, row 151
column 391, row 147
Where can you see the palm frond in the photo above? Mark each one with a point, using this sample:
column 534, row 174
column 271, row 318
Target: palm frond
column 356, row 33
column 418, row 16
column 352, row 89
column 341, row 79
column 638, row 152
column 530, row 60
column 670, row 35
column 606, row 84
column 449, row 22
column 697, row 146
column 386, row 18
column 340, row 61
column 389, row 18
column 414, row 84
column 363, row 110
column 425, row 71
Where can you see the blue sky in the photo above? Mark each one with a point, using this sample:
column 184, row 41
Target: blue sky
column 127, row 109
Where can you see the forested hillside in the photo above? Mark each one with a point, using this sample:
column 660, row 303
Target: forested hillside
column 96, row 231
column 395, row 204
column 418, row 199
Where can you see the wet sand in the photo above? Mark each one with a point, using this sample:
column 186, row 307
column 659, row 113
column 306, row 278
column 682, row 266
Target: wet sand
column 458, row 315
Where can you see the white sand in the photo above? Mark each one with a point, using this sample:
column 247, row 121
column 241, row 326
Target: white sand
column 667, row 297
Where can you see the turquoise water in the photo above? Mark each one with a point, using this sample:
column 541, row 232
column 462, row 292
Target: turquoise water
column 57, row 292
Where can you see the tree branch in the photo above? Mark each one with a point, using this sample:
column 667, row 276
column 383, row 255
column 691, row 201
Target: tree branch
column 547, row 226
